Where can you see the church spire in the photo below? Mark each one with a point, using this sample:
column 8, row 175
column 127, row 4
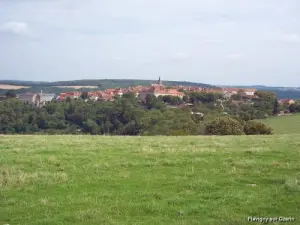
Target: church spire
column 159, row 81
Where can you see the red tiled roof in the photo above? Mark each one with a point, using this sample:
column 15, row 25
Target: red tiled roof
column 287, row 100
column 61, row 97
column 167, row 92
column 230, row 89
column 249, row 90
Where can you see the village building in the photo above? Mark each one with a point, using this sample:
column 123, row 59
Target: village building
column 287, row 101
column 157, row 89
column 46, row 97
column 247, row 92
column 65, row 95
column 30, row 98
column 160, row 90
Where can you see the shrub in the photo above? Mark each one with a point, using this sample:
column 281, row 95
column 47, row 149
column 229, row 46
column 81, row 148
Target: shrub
column 256, row 128
column 224, row 126
column 239, row 119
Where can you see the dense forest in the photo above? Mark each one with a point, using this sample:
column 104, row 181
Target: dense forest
column 195, row 114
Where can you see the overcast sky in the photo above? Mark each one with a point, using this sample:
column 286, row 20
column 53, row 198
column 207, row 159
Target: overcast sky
column 217, row 41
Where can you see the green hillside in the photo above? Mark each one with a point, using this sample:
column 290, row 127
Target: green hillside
column 284, row 124
column 148, row 180
column 102, row 83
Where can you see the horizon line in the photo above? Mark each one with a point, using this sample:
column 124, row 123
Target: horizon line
column 219, row 85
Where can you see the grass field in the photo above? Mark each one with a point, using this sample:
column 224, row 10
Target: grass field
column 284, row 124
column 11, row 87
column 92, row 180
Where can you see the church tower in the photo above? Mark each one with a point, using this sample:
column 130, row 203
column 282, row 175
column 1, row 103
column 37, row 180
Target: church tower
column 159, row 81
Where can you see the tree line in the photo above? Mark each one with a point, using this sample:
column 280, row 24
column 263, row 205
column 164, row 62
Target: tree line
column 127, row 115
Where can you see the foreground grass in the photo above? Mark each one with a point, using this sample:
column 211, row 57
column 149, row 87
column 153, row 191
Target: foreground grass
column 284, row 124
column 148, row 180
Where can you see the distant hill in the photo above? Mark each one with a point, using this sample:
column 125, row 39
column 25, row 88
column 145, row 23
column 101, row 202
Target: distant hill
column 287, row 94
column 262, row 87
column 281, row 92
column 23, row 83
column 37, row 86
column 102, row 84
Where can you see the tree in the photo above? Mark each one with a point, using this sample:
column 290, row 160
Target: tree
column 10, row 94
column 153, row 103
column 239, row 95
column 276, row 107
column 68, row 99
column 203, row 97
column 91, row 127
column 185, row 98
column 236, row 97
column 297, row 107
column 84, row 95
column 266, row 95
column 293, row 108
column 129, row 95
column 128, row 116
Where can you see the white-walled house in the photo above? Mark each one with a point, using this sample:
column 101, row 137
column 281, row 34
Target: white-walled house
column 250, row 91
column 30, row 98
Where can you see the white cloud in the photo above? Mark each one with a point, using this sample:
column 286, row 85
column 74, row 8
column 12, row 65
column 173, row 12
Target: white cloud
column 233, row 56
column 17, row 28
column 291, row 38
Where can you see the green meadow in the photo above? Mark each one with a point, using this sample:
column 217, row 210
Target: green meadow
column 90, row 180
column 284, row 124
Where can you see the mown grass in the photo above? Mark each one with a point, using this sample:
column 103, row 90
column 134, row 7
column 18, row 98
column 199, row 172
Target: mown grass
column 148, row 180
column 284, row 124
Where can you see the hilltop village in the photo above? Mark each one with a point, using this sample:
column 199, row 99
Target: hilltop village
column 144, row 110
column 157, row 89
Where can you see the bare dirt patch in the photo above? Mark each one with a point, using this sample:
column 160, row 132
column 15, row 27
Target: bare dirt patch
column 11, row 87
column 77, row 87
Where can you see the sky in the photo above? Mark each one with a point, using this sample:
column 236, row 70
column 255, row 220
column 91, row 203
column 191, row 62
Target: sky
column 220, row 42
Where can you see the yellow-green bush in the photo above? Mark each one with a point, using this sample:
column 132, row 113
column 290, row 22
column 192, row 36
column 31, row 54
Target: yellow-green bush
column 254, row 128
column 224, row 126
